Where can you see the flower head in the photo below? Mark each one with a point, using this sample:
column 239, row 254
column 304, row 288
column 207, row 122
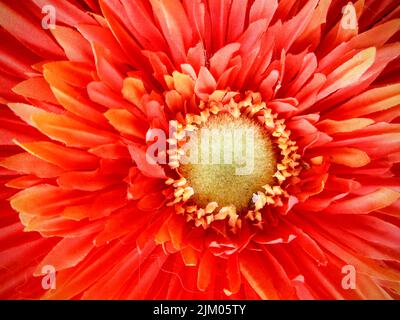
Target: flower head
column 200, row 149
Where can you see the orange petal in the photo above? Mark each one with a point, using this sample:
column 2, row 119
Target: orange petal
column 72, row 73
column 183, row 84
column 255, row 272
column 35, row 88
column 366, row 203
column 29, row 164
column 112, row 151
column 126, row 123
column 133, row 90
column 87, row 180
column 176, row 227
column 24, row 182
column 349, row 72
column 75, row 46
column 44, row 200
column 67, row 253
column 189, row 256
column 174, row 101
column 66, row 158
column 374, row 100
column 331, row 126
column 206, row 270
column 233, row 274
column 72, row 132
column 205, row 84
column 72, row 100
column 350, row 157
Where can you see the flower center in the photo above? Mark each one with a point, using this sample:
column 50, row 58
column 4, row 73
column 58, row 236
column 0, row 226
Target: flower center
column 229, row 160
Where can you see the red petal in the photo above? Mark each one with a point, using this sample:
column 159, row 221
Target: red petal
column 175, row 26
column 148, row 169
column 29, row 33
column 29, row 164
column 206, row 270
column 75, row 46
column 205, row 84
column 67, row 253
column 35, row 88
column 66, row 158
column 72, row 132
column 350, row 157
column 366, row 203
column 126, row 123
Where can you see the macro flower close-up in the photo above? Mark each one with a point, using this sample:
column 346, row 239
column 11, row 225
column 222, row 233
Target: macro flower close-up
column 200, row 149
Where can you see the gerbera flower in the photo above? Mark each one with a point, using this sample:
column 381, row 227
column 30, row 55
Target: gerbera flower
column 317, row 82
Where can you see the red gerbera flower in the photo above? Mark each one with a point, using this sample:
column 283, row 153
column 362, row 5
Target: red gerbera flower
column 86, row 84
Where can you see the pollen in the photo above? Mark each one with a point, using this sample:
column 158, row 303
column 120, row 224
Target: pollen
column 232, row 159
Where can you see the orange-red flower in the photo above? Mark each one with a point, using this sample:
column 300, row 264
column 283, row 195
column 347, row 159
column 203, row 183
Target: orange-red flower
column 317, row 219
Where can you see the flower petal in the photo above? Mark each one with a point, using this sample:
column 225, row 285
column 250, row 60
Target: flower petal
column 366, row 203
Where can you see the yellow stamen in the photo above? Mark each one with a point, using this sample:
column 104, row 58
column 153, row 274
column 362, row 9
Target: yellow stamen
column 209, row 191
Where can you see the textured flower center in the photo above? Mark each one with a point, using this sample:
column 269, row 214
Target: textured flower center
column 233, row 158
